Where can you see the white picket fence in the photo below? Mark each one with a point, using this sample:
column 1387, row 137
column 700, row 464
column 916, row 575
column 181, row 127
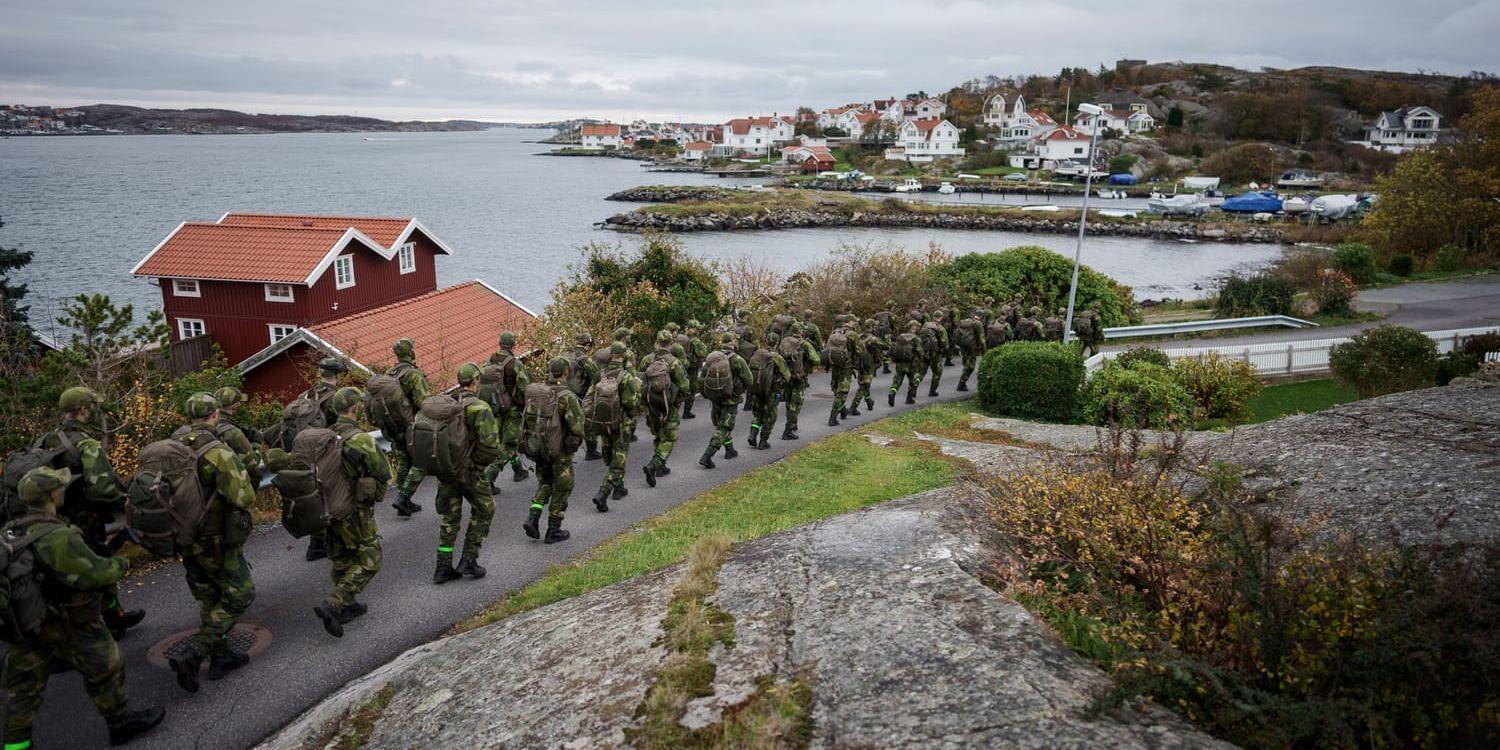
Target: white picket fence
column 1280, row 359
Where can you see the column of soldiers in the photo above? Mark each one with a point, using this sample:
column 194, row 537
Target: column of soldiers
column 597, row 396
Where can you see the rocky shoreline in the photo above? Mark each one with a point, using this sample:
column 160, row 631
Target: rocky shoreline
column 667, row 194
column 797, row 218
column 964, row 186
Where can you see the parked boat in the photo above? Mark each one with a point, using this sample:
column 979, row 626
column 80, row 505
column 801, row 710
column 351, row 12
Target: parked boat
column 1300, row 179
column 1187, row 204
column 1253, row 203
column 1123, row 178
column 947, row 188
column 1048, row 208
column 909, row 186
column 1295, row 205
column 1334, row 207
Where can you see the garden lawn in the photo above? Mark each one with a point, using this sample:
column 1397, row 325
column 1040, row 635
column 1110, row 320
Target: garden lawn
column 1298, row 398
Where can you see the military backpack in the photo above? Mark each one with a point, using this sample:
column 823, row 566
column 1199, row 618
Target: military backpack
column 302, row 413
column 35, row 456
column 781, row 323
column 661, row 390
column 904, row 348
column 22, row 605
column 762, row 373
column 838, row 351
column 438, row 441
column 497, row 382
column 314, row 488
column 932, row 338
column 719, row 383
column 541, row 423
column 996, row 334
column 603, row 409
column 967, row 334
column 790, row 349
column 883, row 325
column 165, row 503
column 390, row 409
column 577, row 373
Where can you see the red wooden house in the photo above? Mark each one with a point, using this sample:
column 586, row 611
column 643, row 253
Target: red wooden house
column 250, row 280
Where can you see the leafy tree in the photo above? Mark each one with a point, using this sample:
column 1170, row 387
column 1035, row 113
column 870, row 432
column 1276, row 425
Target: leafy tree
column 15, row 326
column 651, row 284
column 1175, row 118
column 1242, row 163
column 1040, row 276
column 1122, row 163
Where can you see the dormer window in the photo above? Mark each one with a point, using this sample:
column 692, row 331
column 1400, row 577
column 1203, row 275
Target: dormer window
column 280, row 293
column 407, row 256
column 343, row 272
column 185, row 288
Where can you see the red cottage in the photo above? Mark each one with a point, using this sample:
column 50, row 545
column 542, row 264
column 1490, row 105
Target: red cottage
column 250, row 280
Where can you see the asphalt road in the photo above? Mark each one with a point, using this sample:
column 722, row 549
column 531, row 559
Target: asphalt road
column 303, row 664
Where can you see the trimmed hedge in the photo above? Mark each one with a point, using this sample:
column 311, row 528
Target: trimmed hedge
column 1248, row 296
column 1144, row 396
column 1385, row 359
column 1220, row 387
column 1143, row 355
column 1031, row 380
column 1041, row 277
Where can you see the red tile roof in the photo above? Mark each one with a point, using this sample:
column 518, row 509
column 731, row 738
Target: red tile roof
column 1041, row 117
column 698, row 146
column 1065, row 134
column 865, row 118
column 926, row 125
column 385, row 230
column 231, row 252
column 602, row 130
column 450, row 326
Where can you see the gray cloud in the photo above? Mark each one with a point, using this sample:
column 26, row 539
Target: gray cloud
column 704, row 61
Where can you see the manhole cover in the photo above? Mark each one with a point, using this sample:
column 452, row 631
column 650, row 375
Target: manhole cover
column 247, row 637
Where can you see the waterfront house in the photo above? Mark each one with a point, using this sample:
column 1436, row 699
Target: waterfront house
column 926, row 139
column 1124, row 121
column 755, row 136
column 839, row 117
column 809, row 159
column 1053, row 148
column 1004, row 108
column 249, row 280
column 1403, row 130
column 600, row 136
column 696, row 151
column 449, row 327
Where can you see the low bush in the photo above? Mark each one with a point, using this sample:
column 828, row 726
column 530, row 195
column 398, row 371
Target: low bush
column 1041, row 277
column 1143, row 355
column 1449, row 258
column 1031, row 380
column 1144, row 396
column 1358, row 261
column 1334, row 292
column 1385, row 359
column 1403, row 265
column 1263, row 294
column 1465, row 360
column 1302, row 265
column 1220, row 387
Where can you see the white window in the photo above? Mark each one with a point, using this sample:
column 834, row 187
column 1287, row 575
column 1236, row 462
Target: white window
column 407, row 256
column 189, row 327
column 185, row 288
column 280, row 331
column 280, row 293
column 343, row 271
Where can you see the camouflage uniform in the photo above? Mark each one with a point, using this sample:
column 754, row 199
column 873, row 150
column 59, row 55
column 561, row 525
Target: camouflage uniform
column 696, row 351
column 935, row 348
column 883, row 325
column 662, row 419
column 472, row 484
column 244, row 441
column 554, row 477
column 873, row 350
column 839, row 377
column 217, row 574
column 745, row 347
column 509, row 420
column 1053, row 325
column 970, row 354
column 582, row 374
column 354, row 542
column 414, row 385
column 796, row 389
column 74, row 583
column 613, row 440
column 910, row 372
column 321, row 392
column 812, row 334
column 725, row 410
column 765, row 406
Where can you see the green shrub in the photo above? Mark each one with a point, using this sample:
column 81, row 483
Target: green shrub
column 1039, row 275
column 1143, row 355
column 1385, row 359
column 1449, row 258
column 1403, row 265
column 1220, row 387
column 1031, row 380
column 1143, row 396
column 1465, row 360
column 1246, row 296
column 1358, row 261
column 1334, row 293
column 1122, row 163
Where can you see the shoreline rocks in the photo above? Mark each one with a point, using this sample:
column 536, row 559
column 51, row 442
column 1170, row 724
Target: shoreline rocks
column 667, row 194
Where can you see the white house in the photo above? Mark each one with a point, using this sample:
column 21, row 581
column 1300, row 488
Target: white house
column 755, row 135
column 924, row 109
column 926, row 139
column 696, row 151
column 1403, row 130
column 604, row 135
column 838, row 117
column 1119, row 120
column 1053, row 148
column 1004, row 108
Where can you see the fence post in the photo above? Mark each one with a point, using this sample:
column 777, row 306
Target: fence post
column 1289, row 348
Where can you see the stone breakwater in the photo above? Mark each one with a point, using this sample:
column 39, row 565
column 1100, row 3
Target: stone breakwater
column 797, row 218
column 668, row 194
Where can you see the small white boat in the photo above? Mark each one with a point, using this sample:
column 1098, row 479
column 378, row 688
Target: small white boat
column 1187, row 204
column 1117, row 213
column 1299, row 179
column 1046, row 208
column 967, row 176
column 1295, row 205
column 1334, row 207
column 947, row 188
column 909, row 186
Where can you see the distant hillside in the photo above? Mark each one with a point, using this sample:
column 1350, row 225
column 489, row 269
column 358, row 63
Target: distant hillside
column 141, row 120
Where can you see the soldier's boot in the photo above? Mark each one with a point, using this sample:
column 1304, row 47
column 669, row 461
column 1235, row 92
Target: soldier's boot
column 555, row 531
column 445, row 573
column 687, row 410
column 118, row 619
column 317, row 548
column 788, row 435
column 748, row 407
column 852, row 411
column 662, row 469
column 532, row 519
column 351, row 612
column 591, row 451
column 932, row 390
column 707, row 461
column 223, row 663
column 911, row 398
column 494, row 489
column 186, row 668
column 891, row 399
column 135, row 724
column 518, row 472
column 730, row 452
column 765, row 439
column 404, row 506
column 470, row 567
column 963, row 385
column 330, row 618
column 833, row 419
column 618, row 492
column 650, row 471
column 601, row 499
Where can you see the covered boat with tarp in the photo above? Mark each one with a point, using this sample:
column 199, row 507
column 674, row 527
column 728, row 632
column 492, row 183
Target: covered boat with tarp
column 1123, row 178
column 1264, row 202
column 1187, row 204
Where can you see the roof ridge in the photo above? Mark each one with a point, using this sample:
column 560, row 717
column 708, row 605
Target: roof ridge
column 393, row 305
column 266, row 226
column 315, row 216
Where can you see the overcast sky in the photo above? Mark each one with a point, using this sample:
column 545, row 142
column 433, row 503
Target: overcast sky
column 698, row 60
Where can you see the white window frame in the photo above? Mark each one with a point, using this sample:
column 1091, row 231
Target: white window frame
column 290, row 329
column 291, row 294
column 179, row 291
column 406, row 257
column 340, row 263
column 183, row 324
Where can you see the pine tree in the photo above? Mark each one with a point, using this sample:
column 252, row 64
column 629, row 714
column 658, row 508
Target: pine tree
column 15, row 336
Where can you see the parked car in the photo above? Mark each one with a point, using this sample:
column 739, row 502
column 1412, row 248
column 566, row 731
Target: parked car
column 1014, row 177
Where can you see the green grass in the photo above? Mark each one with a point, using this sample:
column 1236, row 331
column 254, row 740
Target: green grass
column 832, row 476
column 1298, row 398
column 995, row 170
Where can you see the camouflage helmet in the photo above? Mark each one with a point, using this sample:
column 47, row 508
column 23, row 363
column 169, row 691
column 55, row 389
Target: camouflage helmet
column 468, row 372
column 200, row 406
column 693, row 323
column 277, row 459
column 672, row 326
column 678, row 351
column 39, row 484
column 76, row 398
column 988, row 300
column 404, row 349
column 617, row 349
column 345, row 398
column 508, row 339
column 923, row 302
column 772, row 338
column 558, row 367
column 332, row 366
column 937, row 314
column 663, row 338
column 584, row 338
column 228, row 396
column 890, row 304
column 869, row 323
column 726, row 339
column 913, row 326
column 848, row 305
column 622, row 334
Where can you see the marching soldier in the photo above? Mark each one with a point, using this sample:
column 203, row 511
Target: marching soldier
column 664, row 378
column 723, row 396
column 801, row 358
column 514, row 381
column 354, row 542
column 554, row 472
column 841, row 357
column 414, row 386
column 935, row 345
column 873, row 352
column 582, row 372
column 769, row 376
column 696, row 350
column 472, row 484
column 910, row 362
column 243, row 439
column 330, row 369
column 969, row 338
column 610, row 405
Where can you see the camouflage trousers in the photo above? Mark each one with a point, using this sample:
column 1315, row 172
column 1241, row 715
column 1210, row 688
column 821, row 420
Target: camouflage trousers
column 796, row 393
column 689, row 398
column 554, row 485
column 407, row 475
column 354, row 549
column 471, row 486
column 839, row 378
column 663, row 428
column 911, row 372
column 970, row 361
column 862, row 393
column 219, row 579
column 28, row 666
column 616, row 448
column 723, row 415
column 935, row 367
column 764, row 412
column 510, row 443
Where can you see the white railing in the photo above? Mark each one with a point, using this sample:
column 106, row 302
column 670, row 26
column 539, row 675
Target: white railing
column 1307, row 356
column 1199, row 326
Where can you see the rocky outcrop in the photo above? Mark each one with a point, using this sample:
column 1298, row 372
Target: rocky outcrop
column 798, row 218
column 876, row 611
column 668, row 194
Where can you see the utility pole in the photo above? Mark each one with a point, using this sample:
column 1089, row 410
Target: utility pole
column 1088, row 182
